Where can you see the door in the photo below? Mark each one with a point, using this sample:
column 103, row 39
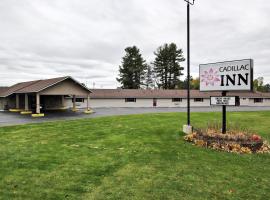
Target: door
column 154, row 102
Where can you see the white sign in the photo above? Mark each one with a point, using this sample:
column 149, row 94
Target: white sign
column 223, row 101
column 227, row 76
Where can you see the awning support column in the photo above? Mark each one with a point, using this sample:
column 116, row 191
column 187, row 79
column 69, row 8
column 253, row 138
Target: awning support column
column 26, row 103
column 88, row 101
column 38, row 114
column 88, row 110
column 37, row 103
column 63, row 101
column 17, row 101
column 74, row 103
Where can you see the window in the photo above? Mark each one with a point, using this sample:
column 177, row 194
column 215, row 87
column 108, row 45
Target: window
column 198, row 100
column 79, row 100
column 258, row 100
column 130, row 100
column 244, row 98
column 176, row 100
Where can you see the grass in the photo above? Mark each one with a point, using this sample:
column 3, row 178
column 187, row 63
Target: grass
column 128, row 157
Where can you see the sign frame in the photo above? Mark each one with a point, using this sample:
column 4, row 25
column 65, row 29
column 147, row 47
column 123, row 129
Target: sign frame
column 235, row 102
column 251, row 61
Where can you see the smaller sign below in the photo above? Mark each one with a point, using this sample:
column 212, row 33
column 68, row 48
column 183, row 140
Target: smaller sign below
column 225, row 101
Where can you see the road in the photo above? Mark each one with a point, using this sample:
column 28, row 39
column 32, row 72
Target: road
column 7, row 118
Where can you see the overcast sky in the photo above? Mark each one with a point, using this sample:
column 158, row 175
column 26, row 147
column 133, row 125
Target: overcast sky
column 86, row 38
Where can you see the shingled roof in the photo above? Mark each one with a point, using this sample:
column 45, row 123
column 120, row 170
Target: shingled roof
column 3, row 89
column 34, row 86
column 159, row 93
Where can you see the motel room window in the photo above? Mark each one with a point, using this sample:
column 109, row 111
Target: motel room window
column 258, row 100
column 176, row 100
column 198, row 100
column 79, row 100
column 130, row 100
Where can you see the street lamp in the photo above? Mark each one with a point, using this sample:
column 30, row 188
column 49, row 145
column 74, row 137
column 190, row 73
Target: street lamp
column 187, row 128
column 191, row 2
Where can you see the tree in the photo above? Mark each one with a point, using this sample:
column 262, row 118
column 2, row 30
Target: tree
column 267, row 88
column 195, row 84
column 149, row 77
column 133, row 69
column 260, row 81
column 258, row 84
column 184, row 84
column 167, row 65
column 255, row 85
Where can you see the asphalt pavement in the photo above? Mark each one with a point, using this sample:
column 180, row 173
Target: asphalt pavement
column 7, row 118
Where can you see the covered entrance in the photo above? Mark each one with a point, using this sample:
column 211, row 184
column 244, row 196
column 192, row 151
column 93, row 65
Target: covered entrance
column 35, row 97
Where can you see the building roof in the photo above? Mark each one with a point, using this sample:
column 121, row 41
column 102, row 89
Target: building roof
column 35, row 86
column 3, row 89
column 159, row 93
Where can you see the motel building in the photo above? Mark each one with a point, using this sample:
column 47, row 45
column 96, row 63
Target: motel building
column 37, row 97
column 161, row 98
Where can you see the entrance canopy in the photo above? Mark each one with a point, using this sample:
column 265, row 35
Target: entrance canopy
column 49, row 87
column 56, row 86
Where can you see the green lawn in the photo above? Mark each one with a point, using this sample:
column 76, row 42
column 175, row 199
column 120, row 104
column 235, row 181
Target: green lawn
column 129, row 157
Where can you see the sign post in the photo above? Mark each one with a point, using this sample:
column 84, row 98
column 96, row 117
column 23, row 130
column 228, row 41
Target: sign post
column 226, row 76
column 224, row 120
column 187, row 128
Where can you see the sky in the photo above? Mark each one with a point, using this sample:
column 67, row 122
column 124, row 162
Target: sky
column 42, row 39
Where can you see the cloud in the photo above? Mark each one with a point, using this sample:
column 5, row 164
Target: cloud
column 86, row 39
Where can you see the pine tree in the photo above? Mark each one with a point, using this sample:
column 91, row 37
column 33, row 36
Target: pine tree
column 149, row 82
column 133, row 69
column 167, row 65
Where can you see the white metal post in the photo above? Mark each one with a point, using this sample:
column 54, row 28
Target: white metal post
column 88, row 101
column 74, row 102
column 26, row 104
column 17, row 101
column 37, row 103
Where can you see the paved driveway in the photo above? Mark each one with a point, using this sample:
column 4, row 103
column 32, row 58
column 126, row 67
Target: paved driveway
column 7, row 118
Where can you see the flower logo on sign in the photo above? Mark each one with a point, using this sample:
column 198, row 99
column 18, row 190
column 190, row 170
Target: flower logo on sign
column 210, row 77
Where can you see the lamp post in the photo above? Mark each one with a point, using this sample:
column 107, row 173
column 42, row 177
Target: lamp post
column 187, row 128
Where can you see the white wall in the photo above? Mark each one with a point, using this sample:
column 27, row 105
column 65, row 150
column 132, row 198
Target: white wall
column 140, row 103
column 98, row 103
column 110, row 103
column 95, row 103
column 205, row 103
column 266, row 102
column 244, row 101
column 169, row 103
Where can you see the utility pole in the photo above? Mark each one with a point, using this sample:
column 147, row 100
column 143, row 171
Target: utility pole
column 188, row 128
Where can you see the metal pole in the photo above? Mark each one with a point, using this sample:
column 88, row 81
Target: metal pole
column 224, row 120
column 188, row 67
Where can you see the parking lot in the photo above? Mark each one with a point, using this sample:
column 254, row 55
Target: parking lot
column 8, row 118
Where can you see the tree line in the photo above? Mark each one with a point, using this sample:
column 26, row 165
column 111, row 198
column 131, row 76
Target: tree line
column 164, row 72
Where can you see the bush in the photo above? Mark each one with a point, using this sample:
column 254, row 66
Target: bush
column 234, row 141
